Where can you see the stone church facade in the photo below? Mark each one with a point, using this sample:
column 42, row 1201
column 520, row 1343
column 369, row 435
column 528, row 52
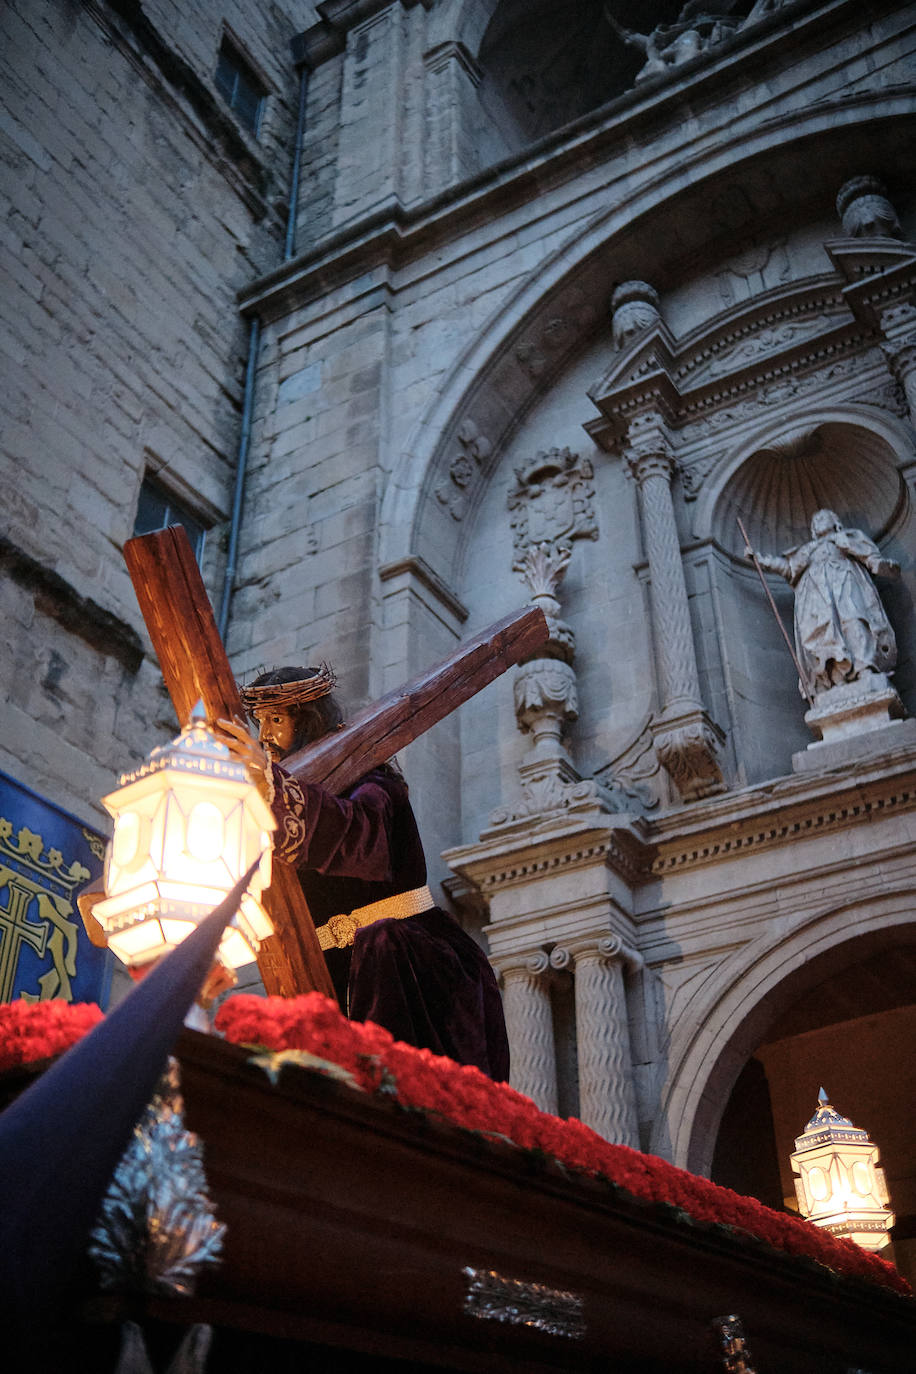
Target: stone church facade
column 500, row 302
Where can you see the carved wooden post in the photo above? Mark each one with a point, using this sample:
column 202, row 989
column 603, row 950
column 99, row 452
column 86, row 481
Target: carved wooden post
column 686, row 740
column 529, row 1024
column 607, row 1098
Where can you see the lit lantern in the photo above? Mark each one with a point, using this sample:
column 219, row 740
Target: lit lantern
column 187, row 826
column 840, row 1186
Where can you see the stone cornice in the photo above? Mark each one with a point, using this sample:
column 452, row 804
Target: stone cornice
column 417, row 568
column 555, row 844
column 328, row 37
column 782, row 811
column 775, row 336
column 392, row 235
column 718, row 829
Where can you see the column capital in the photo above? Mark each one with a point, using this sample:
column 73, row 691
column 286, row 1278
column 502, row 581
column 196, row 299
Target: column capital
column 601, row 945
column 526, row 964
column 649, row 448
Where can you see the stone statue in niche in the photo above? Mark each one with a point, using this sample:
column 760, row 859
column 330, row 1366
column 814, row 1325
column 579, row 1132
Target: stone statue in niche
column 842, row 633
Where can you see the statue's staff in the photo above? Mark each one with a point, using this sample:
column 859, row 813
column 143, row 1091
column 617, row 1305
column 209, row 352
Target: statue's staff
column 769, row 595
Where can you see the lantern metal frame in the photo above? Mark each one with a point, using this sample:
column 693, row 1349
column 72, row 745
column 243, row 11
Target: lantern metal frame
column 839, row 1185
column 187, row 825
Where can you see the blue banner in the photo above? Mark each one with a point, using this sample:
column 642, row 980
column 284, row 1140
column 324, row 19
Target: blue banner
column 46, row 857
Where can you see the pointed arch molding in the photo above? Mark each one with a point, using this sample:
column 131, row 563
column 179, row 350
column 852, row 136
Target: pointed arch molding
column 562, row 303
column 739, row 1010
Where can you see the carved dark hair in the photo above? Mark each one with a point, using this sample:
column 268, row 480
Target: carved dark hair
column 313, row 719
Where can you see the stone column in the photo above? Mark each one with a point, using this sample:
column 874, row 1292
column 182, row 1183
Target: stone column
column 607, row 1097
column 529, row 1024
column 686, row 740
column 898, row 325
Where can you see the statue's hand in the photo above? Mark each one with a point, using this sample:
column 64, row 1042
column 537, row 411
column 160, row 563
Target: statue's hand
column 247, row 751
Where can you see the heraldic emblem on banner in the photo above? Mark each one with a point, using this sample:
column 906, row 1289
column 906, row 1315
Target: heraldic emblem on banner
column 46, row 857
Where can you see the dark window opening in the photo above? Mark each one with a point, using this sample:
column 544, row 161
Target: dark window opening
column 239, row 86
column 157, row 509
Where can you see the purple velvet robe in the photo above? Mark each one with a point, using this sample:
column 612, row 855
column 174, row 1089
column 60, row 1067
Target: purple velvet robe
column 423, row 978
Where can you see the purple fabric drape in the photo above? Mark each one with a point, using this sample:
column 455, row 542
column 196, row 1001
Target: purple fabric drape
column 423, row 978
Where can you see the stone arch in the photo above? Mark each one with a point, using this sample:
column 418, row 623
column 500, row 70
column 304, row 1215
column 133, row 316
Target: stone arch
column 882, row 439
column 541, row 324
column 727, row 1029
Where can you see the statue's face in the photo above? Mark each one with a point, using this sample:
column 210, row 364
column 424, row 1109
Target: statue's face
column 824, row 522
column 277, row 731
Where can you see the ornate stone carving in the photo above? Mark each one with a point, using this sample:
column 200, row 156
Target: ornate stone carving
column 898, row 325
column 753, row 270
column 762, row 10
column 688, row 744
column 545, row 697
column 474, row 450
column 863, row 206
column 632, row 779
column 842, row 632
column 551, row 505
column 671, row 45
column 542, row 566
column 529, row 1026
column 634, row 309
column 553, row 501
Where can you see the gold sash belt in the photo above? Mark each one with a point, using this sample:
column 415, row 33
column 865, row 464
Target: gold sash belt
column 340, row 930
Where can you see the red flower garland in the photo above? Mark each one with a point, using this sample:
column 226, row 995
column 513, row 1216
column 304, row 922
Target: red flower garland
column 37, row 1030
column 420, row 1080
column 465, row 1096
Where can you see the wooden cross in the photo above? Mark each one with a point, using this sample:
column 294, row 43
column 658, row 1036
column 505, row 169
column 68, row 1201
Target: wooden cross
column 180, row 622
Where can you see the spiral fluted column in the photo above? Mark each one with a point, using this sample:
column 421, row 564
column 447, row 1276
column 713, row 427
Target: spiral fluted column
column 607, row 1097
column 686, row 740
column 529, row 1025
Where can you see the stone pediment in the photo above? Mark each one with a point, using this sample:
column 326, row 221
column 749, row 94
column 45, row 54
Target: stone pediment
column 780, row 332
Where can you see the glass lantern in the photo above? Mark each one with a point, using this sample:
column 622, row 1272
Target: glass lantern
column 187, row 825
column 839, row 1185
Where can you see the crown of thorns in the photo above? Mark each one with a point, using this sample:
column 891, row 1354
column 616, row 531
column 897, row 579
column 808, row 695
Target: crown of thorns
column 284, row 695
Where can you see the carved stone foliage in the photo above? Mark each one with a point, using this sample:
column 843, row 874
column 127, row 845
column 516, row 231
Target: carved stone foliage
column 688, row 746
column 471, row 458
column 542, row 567
column 633, row 779
column 552, row 502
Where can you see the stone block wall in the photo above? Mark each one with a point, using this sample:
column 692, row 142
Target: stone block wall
column 135, row 207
